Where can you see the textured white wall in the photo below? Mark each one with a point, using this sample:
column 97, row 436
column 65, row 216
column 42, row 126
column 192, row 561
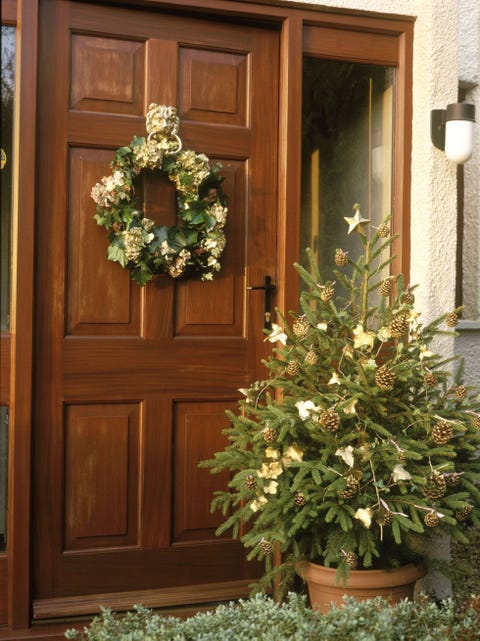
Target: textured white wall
column 446, row 54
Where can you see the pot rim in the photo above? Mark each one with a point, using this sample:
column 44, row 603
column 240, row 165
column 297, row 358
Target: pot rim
column 391, row 577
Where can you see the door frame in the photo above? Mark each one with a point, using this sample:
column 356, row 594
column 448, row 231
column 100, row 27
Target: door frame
column 17, row 348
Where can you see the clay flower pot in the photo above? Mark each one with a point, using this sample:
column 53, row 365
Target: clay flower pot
column 394, row 585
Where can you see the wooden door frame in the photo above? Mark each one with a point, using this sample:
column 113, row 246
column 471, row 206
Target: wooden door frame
column 19, row 359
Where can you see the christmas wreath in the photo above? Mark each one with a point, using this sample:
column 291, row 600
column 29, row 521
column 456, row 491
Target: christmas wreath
column 136, row 242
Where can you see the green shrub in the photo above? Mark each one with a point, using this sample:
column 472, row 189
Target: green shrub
column 262, row 619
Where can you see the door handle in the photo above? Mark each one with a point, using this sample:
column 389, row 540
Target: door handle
column 268, row 289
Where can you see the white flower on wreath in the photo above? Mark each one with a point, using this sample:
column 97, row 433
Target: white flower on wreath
column 257, row 504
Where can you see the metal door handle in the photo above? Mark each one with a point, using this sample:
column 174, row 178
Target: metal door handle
column 268, row 289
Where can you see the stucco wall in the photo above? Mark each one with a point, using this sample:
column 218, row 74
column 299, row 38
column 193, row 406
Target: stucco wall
column 446, row 55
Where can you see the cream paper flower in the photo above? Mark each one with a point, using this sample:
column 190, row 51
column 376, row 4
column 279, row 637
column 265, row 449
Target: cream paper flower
column 362, row 338
column 349, row 408
column 364, row 515
column 322, row 326
column 334, row 379
column 400, row 473
column 292, row 454
column 271, row 488
column 270, row 471
column 271, row 452
column 346, row 454
column 305, row 408
column 277, row 334
column 257, row 504
column 384, row 334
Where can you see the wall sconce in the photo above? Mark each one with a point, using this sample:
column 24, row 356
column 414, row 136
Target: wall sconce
column 451, row 130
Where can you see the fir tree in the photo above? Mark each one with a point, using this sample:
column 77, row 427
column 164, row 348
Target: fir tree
column 361, row 442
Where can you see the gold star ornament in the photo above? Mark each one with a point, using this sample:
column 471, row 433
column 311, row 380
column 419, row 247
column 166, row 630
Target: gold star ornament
column 357, row 222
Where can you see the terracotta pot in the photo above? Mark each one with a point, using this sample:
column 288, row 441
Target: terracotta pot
column 393, row 585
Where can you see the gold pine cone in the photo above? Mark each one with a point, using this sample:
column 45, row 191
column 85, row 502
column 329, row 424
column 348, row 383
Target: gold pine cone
column 384, row 230
column 300, row 499
column 463, row 514
column 398, row 325
column 327, row 293
column 452, row 319
column 266, row 546
column 476, row 422
column 385, row 378
column 407, row 298
column 301, row 326
column 431, row 519
column 269, row 434
column 341, row 257
column 351, row 560
column 250, row 482
column 293, row 367
column 386, row 287
column 436, row 486
column 460, row 392
column 311, row 357
column 442, row 432
column 430, row 379
column 330, row 420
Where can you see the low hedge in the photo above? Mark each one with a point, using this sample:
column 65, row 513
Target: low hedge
column 262, row 619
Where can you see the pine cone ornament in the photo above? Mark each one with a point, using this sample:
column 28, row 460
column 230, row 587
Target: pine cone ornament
column 442, row 432
column 386, row 287
column 452, row 319
column 301, row 326
column 407, row 298
column 460, row 392
column 300, row 499
column 341, row 257
column 384, row 230
column 250, row 482
column 398, row 325
column 476, row 422
column 311, row 357
column 351, row 559
column 330, row 420
column 383, row 516
column 453, row 479
column 463, row 514
column 269, row 434
column 266, row 546
column 430, row 379
column 327, row 293
column 385, row 378
column 293, row 367
column 352, row 487
column 431, row 519
column 436, row 486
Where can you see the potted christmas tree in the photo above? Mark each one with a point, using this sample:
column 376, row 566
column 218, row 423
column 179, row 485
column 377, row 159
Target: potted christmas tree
column 361, row 443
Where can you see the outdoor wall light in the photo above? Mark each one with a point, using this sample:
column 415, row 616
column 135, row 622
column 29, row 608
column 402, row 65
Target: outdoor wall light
column 451, row 130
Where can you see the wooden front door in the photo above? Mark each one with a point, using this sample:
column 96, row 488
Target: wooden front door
column 132, row 383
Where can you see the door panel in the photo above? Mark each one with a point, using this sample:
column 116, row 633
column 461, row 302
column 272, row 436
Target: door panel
column 133, row 383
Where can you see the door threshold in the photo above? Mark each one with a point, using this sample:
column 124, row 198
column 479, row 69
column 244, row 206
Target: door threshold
column 74, row 606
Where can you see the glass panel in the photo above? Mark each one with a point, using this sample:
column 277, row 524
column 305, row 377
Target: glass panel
column 3, row 476
column 347, row 144
column 8, row 86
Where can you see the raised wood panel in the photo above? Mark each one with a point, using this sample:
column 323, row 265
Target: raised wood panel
column 107, row 75
column 101, row 301
column 198, row 435
column 101, row 475
column 213, row 86
column 217, row 308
